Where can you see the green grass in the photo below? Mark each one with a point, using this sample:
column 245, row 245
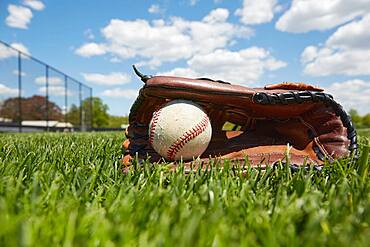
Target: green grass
column 364, row 132
column 67, row 190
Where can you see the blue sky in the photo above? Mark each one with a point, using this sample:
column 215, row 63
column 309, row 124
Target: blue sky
column 250, row 42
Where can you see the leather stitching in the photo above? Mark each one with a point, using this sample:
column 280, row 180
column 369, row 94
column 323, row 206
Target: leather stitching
column 308, row 126
column 155, row 119
column 186, row 137
column 322, row 149
column 316, row 139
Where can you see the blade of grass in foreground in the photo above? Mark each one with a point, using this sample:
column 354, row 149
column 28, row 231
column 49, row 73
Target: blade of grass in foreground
column 363, row 163
column 67, row 189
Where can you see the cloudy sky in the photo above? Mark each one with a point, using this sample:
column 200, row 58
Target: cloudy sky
column 250, row 42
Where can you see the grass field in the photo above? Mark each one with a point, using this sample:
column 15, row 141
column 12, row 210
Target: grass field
column 67, row 190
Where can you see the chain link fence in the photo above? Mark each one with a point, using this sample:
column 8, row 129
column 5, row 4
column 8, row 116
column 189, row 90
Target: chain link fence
column 35, row 96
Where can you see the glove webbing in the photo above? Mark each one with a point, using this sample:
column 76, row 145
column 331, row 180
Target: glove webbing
column 304, row 96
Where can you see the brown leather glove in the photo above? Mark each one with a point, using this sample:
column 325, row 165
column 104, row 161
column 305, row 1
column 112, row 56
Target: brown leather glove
column 268, row 119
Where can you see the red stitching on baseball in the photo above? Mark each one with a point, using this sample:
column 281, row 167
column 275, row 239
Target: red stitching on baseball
column 154, row 125
column 186, row 137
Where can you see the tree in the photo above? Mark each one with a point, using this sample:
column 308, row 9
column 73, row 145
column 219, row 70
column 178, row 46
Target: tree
column 32, row 108
column 99, row 113
column 73, row 115
column 366, row 120
column 117, row 121
column 356, row 118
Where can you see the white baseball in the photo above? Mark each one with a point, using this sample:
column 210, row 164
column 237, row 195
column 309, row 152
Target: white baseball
column 180, row 129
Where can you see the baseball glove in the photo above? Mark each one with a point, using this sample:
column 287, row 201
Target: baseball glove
column 283, row 121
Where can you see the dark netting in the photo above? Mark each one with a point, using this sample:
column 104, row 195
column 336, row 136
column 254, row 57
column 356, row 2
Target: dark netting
column 36, row 97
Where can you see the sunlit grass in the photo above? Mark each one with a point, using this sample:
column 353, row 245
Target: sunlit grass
column 67, row 189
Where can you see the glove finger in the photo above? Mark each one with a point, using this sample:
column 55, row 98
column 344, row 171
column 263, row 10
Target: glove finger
column 126, row 144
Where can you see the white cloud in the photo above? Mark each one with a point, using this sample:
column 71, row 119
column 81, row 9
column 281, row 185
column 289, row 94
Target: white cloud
column 91, row 49
column 355, row 35
column 308, row 15
column 155, row 9
column 121, row 93
column 19, row 17
column 20, row 47
column 352, row 94
column 309, row 54
column 55, row 91
column 217, row 16
column 114, row 78
column 4, row 90
column 34, row 4
column 6, row 52
column 52, row 80
column 339, row 62
column 346, row 52
column 193, row 2
column 16, row 72
column 161, row 41
column 243, row 66
column 183, row 72
column 257, row 11
column 115, row 60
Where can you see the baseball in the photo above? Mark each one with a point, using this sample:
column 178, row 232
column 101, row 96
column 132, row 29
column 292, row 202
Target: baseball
column 180, row 130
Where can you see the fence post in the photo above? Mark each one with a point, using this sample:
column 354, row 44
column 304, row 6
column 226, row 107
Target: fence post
column 47, row 96
column 91, row 109
column 80, row 97
column 65, row 99
column 20, row 117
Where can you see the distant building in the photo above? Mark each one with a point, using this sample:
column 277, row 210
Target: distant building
column 44, row 123
column 6, row 120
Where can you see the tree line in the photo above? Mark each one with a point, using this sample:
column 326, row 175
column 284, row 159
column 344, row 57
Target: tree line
column 358, row 120
column 39, row 107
